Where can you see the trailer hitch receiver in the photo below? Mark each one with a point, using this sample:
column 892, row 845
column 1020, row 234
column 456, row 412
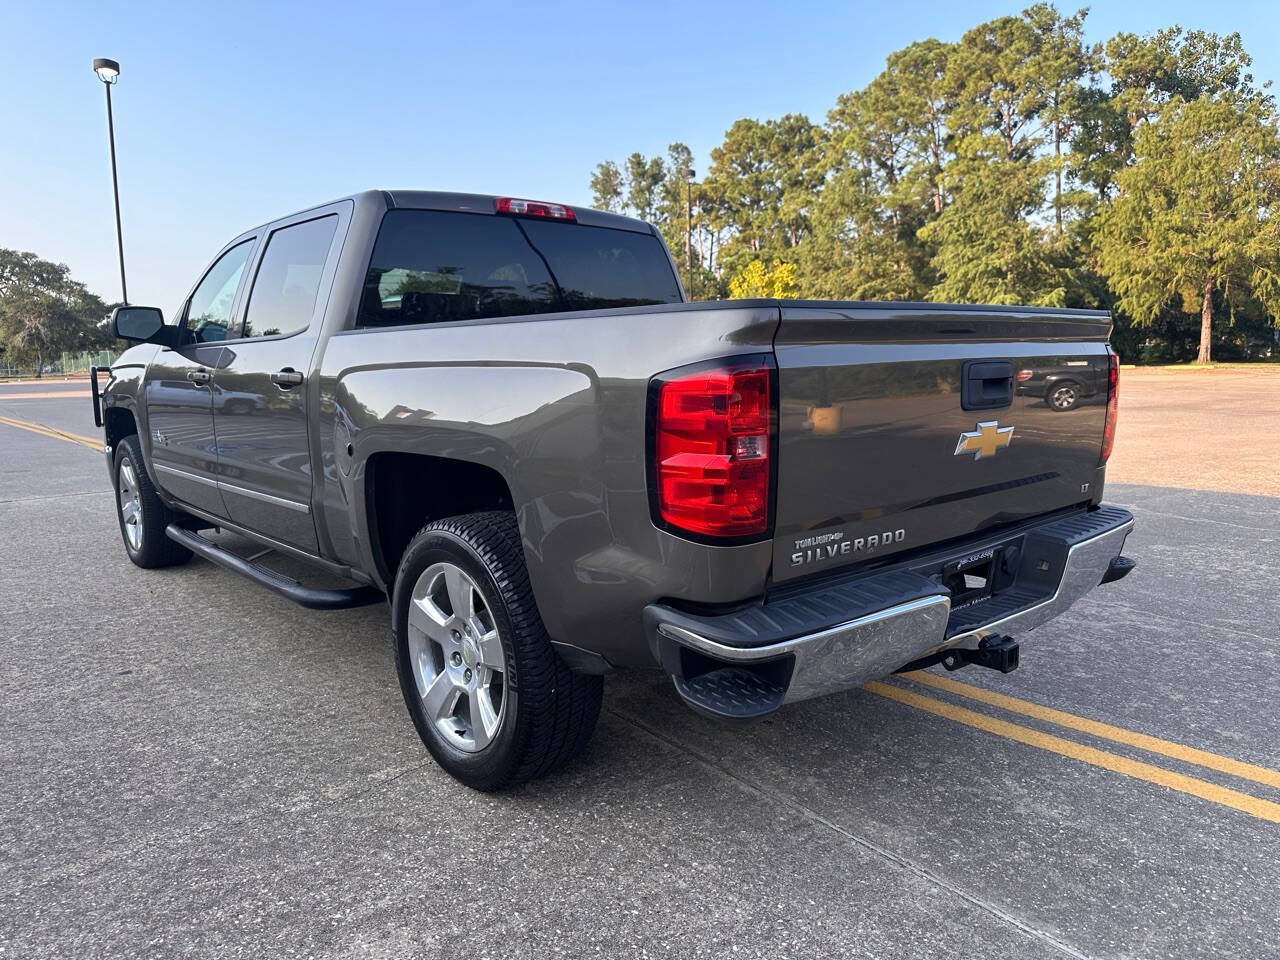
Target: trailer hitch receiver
column 994, row 652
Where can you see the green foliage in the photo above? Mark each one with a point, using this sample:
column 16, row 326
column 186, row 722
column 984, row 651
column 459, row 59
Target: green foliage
column 607, row 187
column 644, row 180
column 1017, row 165
column 1196, row 213
column 44, row 312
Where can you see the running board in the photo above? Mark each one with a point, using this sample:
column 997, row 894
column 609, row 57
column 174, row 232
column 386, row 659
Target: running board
column 313, row 597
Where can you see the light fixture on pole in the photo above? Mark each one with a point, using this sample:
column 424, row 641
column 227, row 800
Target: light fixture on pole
column 108, row 71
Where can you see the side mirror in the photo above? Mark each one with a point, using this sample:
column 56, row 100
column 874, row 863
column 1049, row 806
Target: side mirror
column 141, row 324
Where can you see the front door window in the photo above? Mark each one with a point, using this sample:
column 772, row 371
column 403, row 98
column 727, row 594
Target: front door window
column 209, row 310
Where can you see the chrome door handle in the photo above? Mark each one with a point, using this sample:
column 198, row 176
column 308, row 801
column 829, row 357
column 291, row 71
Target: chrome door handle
column 199, row 375
column 286, row 378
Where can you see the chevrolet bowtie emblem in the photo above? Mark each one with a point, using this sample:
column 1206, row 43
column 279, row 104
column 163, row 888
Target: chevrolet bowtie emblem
column 985, row 440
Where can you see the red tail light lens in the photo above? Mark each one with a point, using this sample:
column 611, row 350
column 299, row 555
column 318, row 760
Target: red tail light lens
column 1025, row 375
column 1113, row 408
column 712, row 434
column 533, row 208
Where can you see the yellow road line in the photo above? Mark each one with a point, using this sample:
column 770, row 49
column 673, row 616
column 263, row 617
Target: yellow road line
column 44, row 431
column 1255, row 807
column 1178, row 751
column 37, row 395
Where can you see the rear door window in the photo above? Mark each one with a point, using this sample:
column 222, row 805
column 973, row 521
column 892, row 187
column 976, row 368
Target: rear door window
column 433, row 266
column 285, row 288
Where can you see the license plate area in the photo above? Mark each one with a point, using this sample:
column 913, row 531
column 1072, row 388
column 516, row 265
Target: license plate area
column 974, row 578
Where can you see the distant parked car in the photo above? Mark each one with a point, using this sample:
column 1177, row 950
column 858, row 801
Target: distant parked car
column 1063, row 383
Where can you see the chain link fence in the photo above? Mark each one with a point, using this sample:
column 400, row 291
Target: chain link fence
column 69, row 364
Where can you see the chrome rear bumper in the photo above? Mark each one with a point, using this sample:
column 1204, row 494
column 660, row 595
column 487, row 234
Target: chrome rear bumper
column 873, row 643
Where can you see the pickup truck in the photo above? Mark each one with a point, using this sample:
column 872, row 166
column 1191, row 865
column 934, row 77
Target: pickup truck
column 502, row 417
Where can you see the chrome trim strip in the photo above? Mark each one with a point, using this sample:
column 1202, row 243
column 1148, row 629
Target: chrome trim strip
column 233, row 488
column 264, row 497
column 175, row 472
column 873, row 646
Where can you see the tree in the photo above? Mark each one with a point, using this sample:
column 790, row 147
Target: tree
column 644, row 178
column 676, row 206
column 1147, row 73
column 764, row 177
column 607, row 187
column 885, row 151
column 1060, row 65
column 777, row 281
column 44, row 312
column 1198, row 213
column 989, row 247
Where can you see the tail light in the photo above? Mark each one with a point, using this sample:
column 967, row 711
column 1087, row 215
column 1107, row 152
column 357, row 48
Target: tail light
column 1025, row 375
column 1113, row 408
column 533, row 208
column 712, row 431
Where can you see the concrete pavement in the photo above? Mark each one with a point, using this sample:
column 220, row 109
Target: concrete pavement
column 193, row 765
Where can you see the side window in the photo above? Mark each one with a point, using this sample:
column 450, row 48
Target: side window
column 284, row 291
column 434, row 266
column 209, row 309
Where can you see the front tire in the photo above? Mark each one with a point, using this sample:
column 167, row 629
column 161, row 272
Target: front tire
column 142, row 514
column 490, row 698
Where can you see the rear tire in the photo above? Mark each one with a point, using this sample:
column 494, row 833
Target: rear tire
column 490, row 698
column 1063, row 396
column 141, row 513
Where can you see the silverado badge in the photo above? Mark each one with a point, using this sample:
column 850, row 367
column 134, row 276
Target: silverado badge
column 985, row 440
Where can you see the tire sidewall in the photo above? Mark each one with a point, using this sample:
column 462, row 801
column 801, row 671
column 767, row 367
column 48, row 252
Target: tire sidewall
column 490, row 764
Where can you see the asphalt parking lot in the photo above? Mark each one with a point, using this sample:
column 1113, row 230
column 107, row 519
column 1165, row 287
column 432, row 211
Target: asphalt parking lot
column 194, row 766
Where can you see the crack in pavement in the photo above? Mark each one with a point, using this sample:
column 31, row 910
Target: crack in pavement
column 904, row 863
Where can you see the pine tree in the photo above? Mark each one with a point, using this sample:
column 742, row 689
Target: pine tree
column 1198, row 213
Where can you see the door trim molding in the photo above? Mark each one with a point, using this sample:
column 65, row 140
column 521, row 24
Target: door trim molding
column 233, row 488
column 174, row 471
column 264, row 497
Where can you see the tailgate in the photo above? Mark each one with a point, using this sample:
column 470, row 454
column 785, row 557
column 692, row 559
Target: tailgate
column 884, row 447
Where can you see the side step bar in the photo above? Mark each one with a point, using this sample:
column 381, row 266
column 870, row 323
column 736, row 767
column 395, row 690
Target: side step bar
column 313, row 597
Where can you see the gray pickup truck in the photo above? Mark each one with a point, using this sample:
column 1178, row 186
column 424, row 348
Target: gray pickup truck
column 502, row 416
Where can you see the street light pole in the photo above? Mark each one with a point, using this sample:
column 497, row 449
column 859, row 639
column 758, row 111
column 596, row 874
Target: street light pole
column 108, row 71
column 688, row 232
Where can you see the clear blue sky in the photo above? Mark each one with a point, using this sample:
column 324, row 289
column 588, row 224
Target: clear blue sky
column 231, row 114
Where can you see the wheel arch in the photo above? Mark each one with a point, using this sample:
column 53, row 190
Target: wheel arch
column 406, row 491
column 119, row 422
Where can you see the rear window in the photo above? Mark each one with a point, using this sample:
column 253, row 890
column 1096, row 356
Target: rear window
column 433, row 266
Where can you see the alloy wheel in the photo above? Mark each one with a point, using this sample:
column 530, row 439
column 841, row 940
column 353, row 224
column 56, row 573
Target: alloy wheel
column 130, row 504
column 457, row 659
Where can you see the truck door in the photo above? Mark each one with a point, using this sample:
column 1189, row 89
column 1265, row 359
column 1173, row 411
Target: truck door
column 179, row 401
column 261, row 395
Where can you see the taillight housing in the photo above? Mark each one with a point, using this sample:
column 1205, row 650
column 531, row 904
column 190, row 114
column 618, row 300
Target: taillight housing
column 1113, row 407
column 711, row 448
column 533, row 208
